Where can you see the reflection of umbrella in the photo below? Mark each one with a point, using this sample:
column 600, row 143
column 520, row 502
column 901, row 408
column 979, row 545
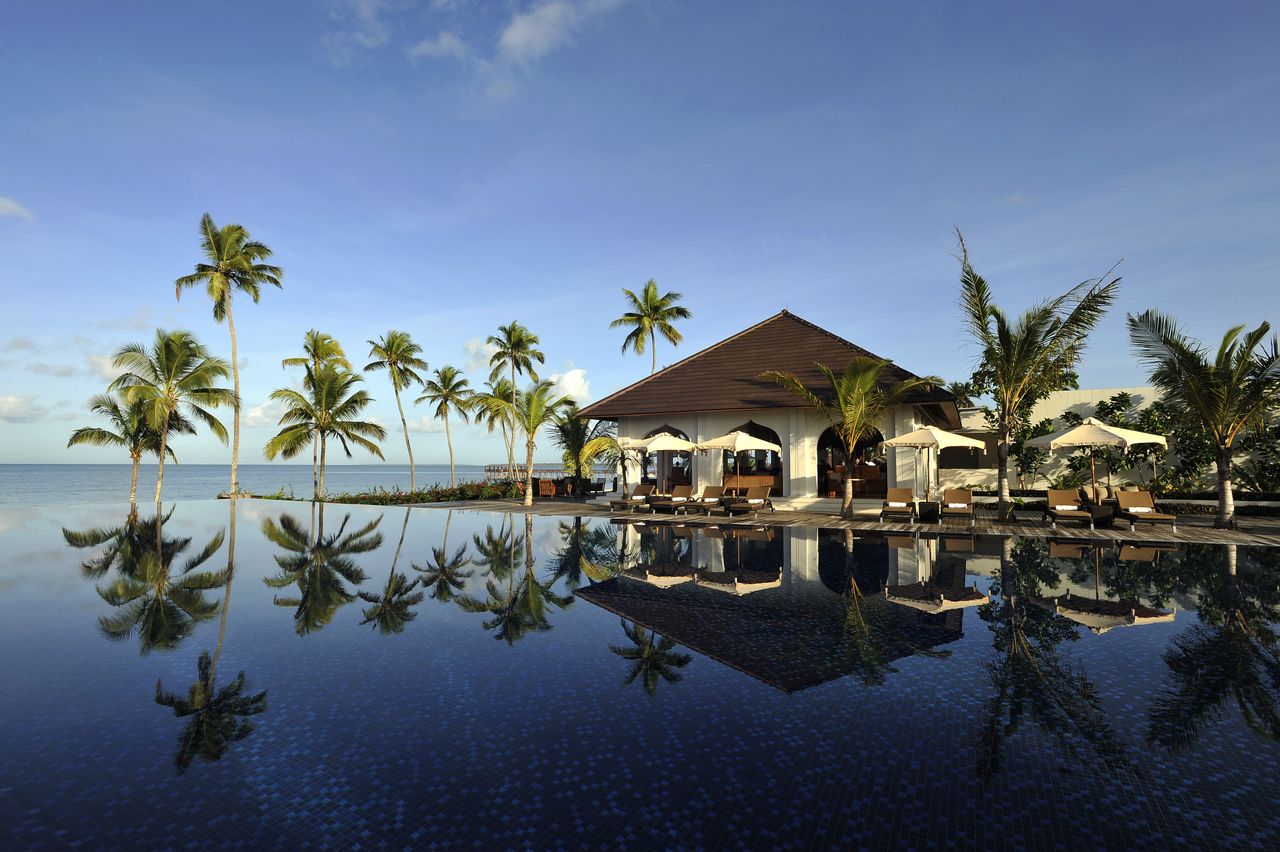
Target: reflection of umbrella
column 927, row 597
column 1093, row 433
column 1101, row 616
column 738, row 443
column 932, row 438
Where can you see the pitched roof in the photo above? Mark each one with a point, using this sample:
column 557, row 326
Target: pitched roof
column 726, row 376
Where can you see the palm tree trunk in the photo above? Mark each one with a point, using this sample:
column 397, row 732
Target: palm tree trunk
column 133, row 484
column 315, row 467
column 1002, row 471
column 322, row 459
column 528, row 473
column 846, row 489
column 164, row 448
column 404, row 528
column 653, row 352
column 226, row 592
column 235, row 386
column 448, row 439
column 1226, row 500
column 511, row 447
column 413, row 482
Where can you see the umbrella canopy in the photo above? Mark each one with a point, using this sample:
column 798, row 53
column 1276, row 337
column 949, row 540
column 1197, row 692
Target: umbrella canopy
column 1100, row 615
column 739, row 442
column 933, row 438
column 665, row 443
column 1094, row 433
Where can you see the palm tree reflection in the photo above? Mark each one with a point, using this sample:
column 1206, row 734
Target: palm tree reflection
column 392, row 609
column 443, row 574
column 653, row 657
column 521, row 607
column 319, row 566
column 218, row 717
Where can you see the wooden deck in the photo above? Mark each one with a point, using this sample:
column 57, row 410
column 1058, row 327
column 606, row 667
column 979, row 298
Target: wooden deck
column 1192, row 529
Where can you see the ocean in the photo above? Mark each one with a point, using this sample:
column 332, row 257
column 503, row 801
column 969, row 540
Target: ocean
column 51, row 484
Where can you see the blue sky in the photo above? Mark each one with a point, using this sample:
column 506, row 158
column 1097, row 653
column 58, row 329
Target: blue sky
column 443, row 167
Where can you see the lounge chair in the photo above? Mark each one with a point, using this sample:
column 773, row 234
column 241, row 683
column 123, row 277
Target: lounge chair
column 957, row 503
column 1067, row 505
column 757, row 498
column 709, row 499
column 1134, row 506
column 677, row 501
column 898, row 503
column 637, row 499
column 546, row 488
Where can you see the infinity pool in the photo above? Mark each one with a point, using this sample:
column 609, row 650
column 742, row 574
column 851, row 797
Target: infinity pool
column 275, row 675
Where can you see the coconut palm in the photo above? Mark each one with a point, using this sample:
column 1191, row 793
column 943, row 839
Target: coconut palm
column 326, row 409
column 581, row 440
column 649, row 316
column 132, row 432
column 1024, row 359
column 391, row 610
column 855, row 402
column 1222, row 396
column 318, row 349
column 489, row 409
column 449, row 390
column 176, row 376
column 218, row 717
column 396, row 353
column 514, row 351
column 531, row 410
column 653, row 658
column 232, row 262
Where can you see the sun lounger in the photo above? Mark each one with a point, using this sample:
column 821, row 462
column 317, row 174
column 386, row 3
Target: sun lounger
column 957, row 503
column 757, row 498
column 1135, row 506
column 709, row 499
column 1065, row 505
column 898, row 503
column 677, row 501
column 637, row 499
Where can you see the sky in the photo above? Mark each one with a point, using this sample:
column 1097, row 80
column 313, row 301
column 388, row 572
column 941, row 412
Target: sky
column 444, row 167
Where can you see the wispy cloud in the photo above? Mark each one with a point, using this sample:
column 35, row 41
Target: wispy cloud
column 21, row 344
column 533, row 34
column 139, row 320
column 428, row 425
column 446, row 45
column 364, row 28
column 102, row 366
column 11, row 208
column 22, row 409
column 478, row 354
column 264, row 414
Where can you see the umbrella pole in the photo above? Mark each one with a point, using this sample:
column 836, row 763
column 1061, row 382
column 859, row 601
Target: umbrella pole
column 1093, row 470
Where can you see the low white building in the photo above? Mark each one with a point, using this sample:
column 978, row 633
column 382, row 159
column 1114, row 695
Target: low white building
column 721, row 389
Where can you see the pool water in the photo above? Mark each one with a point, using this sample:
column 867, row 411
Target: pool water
column 277, row 675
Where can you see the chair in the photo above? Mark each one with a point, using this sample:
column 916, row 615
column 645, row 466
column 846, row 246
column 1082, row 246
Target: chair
column 898, row 503
column 677, row 501
column 1066, row 505
column 637, row 499
column 709, row 499
column 957, row 503
column 546, row 487
column 1135, row 506
column 757, row 498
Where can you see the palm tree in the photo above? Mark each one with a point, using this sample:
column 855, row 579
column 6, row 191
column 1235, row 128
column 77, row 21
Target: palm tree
column 391, row 610
column 653, row 658
column 231, row 262
column 514, row 350
column 580, row 440
column 489, row 408
column 855, row 403
column 327, row 409
column 530, row 411
column 219, row 717
column 448, row 391
column 398, row 355
column 650, row 315
column 177, row 375
column 1223, row 396
column 318, row 349
column 1025, row 359
column 963, row 392
column 132, row 432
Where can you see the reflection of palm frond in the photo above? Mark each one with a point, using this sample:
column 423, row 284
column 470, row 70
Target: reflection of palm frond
column 654, row 658
column 219, row 717
column 320, row 569
column 443, row 574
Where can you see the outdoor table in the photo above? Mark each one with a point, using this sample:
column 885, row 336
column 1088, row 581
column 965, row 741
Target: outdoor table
column 928, row 511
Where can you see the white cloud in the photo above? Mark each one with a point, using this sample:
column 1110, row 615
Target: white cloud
column 478, row 352
column 10, row 207
column 264, row 414
column 44, row 368
column 446, row 45
column 22, row 409
column 533, row 34
column 102, row 366
column 23, row 343
column 572, row 383
column 1014, row 199
column 366, row 30
column 428, row 425
column 139, row 320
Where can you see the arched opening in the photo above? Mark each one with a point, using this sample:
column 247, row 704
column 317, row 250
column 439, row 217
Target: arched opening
column 868, row 466
column 756, row 467
column 666, row 469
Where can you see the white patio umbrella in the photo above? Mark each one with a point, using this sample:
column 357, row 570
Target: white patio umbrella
column 932, row 438
column 1094, row 433
column 665, row 442
column 738, row 443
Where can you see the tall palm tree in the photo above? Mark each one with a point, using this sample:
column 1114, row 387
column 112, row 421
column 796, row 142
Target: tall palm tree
column 530, row 411
column 1024, row 359
column 177, row 375
column 398, row 355
column 132, row 432
column 491, row 411
column 448, row 390
column 855, row 402
column 326, row 410
column 1222, row 396
column 649, row 316
column 653, row 658
column 318, row 349
column 581, row 440
column 514, row 350
column 231, row 262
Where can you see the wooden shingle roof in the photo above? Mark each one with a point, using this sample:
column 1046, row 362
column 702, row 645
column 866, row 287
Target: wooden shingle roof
column 726, row 375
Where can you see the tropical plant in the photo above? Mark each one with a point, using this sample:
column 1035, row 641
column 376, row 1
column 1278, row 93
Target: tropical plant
column 580, row 440
column 855, row 402
column 176, row 376
column 490, row 410
column 649, row 316
column 318, row 349
column 328, row 408
column 963, row 391
column 653, row 658
column 218, row 717
column 1028, row 459
column 1222, row 396
column 398, row 355
column 515, row 348
column 1024, row 359
column 132, row 432
column 449, row 390
column 232, row 262
column 531, row 410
